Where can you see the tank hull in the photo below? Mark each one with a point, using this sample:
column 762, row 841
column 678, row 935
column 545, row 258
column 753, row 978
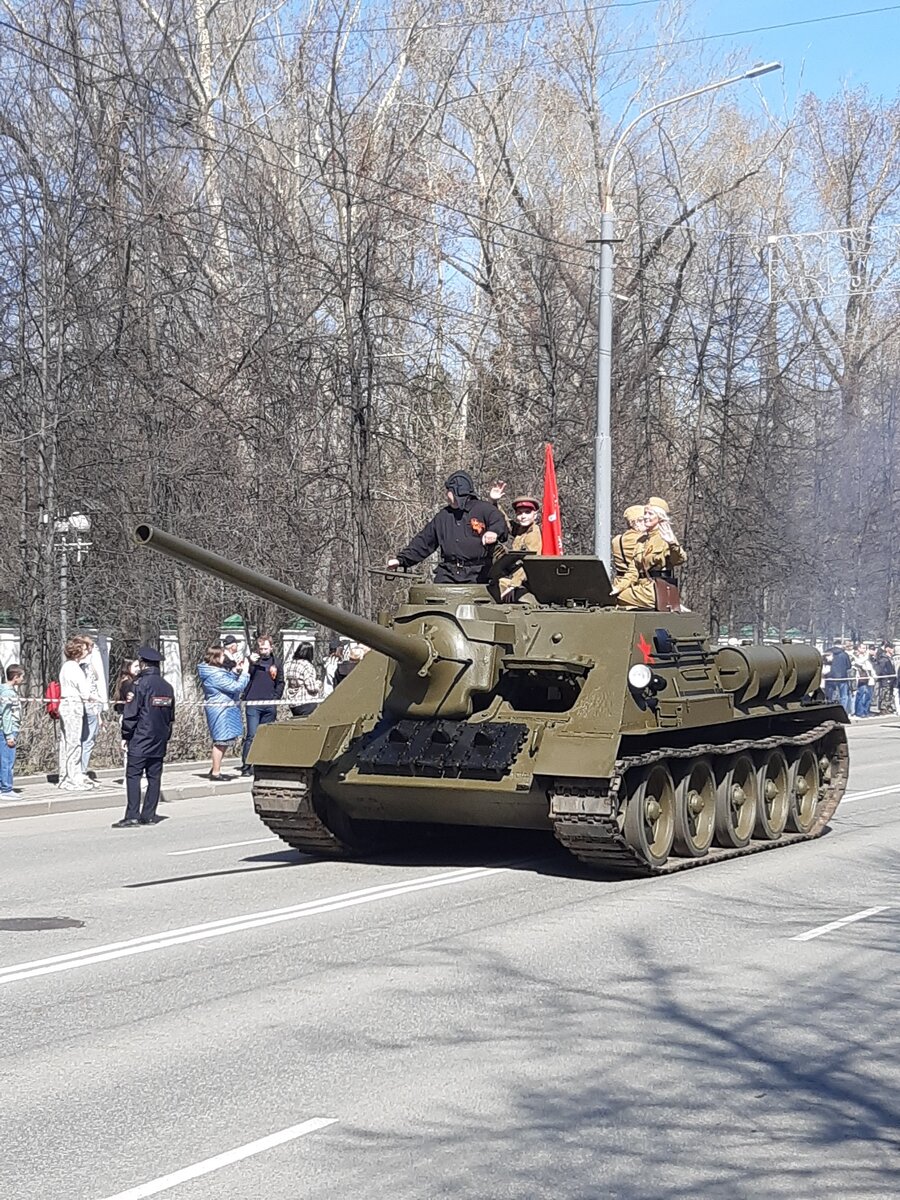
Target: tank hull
column 348, row 813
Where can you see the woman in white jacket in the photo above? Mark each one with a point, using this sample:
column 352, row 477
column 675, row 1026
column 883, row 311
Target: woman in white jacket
column 75, row 691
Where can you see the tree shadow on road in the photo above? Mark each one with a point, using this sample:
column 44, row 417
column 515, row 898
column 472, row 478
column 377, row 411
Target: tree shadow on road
column 776, row 1076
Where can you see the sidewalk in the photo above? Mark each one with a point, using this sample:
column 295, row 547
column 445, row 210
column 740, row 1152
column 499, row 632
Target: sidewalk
column 181, row 781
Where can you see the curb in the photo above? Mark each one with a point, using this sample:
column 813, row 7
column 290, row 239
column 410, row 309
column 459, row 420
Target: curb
column 114, row 797
column 49, row 778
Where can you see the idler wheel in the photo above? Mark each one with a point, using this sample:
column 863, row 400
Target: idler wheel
column 774, row 800
column 804, row 791
column 736, row 803
column 650, row 816
column 695, row 811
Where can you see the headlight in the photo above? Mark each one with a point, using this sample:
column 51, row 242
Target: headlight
column 639, row 676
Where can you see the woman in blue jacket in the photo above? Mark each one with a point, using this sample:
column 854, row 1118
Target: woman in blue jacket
column 221, row 689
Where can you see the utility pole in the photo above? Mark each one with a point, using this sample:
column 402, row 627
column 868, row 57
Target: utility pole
column 607, row 240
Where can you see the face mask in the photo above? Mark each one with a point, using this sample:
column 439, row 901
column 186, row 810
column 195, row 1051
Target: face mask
column 526, row 518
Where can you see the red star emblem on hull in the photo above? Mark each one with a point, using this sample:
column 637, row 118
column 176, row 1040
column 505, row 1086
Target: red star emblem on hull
column 646, row 650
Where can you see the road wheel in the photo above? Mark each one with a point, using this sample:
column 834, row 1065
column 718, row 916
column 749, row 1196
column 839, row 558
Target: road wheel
column 804, row 791
column 695, row 810
column 650, row 816
column 736, row 803
column 774, row 799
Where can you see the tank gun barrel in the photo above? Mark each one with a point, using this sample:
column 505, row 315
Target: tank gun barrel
column 410, row 651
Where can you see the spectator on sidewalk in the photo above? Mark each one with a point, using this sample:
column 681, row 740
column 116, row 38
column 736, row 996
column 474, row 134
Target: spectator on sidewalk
column 146, row 729
column 865, row 681
column 75, row 691
column 886, row 679
column 122, row 694
column 301, row 688
column 10, row 724
column 895, row 690
column 221, row 690
column 263, row 691
column 124, row 688
column 839, row 678
column 234, row 658
column 330, row 666
column 356, row 652
column 96, row 702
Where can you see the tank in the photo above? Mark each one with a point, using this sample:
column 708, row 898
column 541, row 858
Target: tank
column 624, row 732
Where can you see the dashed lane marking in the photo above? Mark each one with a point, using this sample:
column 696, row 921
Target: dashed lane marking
column 223, row 846
column 155, row 1186
column 820, row 929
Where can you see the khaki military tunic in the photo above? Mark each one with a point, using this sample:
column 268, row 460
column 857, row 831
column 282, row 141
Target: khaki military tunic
column 529, row 540
column 623, row 551
column 652, row 554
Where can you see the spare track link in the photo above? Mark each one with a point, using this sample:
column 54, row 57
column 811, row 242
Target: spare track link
column 599, row 841
column 301, row 827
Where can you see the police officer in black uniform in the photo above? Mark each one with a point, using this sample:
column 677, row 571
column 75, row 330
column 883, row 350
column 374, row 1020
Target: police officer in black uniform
column 465, row 532
column 146, row 728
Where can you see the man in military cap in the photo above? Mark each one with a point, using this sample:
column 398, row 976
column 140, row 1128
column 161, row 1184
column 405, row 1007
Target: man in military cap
column 624, row 544
column 146, row 728
column 656, row 555
column 465, row 532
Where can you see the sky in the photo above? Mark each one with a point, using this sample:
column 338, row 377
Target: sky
column 857, row 50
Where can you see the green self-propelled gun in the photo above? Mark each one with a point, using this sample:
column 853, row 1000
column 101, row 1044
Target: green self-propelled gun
column 622, row 731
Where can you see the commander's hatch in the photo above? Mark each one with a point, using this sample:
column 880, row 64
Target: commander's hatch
column 569, row 580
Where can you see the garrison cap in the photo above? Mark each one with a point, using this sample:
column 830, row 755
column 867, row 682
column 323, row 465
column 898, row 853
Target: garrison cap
column 148, row 654
column 633, row 512
column 658, row 502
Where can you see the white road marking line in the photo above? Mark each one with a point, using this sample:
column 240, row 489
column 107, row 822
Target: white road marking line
column 155, row 1186
column 820, row 929
column 223, row 846
column 882, row 791
column 196, row 933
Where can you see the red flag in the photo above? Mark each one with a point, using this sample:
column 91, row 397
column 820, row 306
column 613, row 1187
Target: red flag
column 551, row 529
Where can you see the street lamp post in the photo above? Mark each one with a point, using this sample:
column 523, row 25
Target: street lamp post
column 607, row 240
column 71, row 534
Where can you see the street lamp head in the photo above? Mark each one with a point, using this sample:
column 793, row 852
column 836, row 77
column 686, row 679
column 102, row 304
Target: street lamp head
column 80, row 523
column 762, row 69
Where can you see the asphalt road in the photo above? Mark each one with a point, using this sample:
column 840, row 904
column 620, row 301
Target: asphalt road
column 229, row 1020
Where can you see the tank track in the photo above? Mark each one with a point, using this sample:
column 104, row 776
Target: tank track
column 598, row 840
column 299, row 825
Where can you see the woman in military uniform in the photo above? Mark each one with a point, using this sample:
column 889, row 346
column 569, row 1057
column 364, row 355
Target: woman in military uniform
column 623, row 545
column 656, row 555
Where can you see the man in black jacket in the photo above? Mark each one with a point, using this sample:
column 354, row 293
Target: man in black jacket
column 838, row 681
column 146, row 729
column 465, row 532
column 266, row 685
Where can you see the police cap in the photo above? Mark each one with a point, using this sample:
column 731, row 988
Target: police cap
column 149, row 655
